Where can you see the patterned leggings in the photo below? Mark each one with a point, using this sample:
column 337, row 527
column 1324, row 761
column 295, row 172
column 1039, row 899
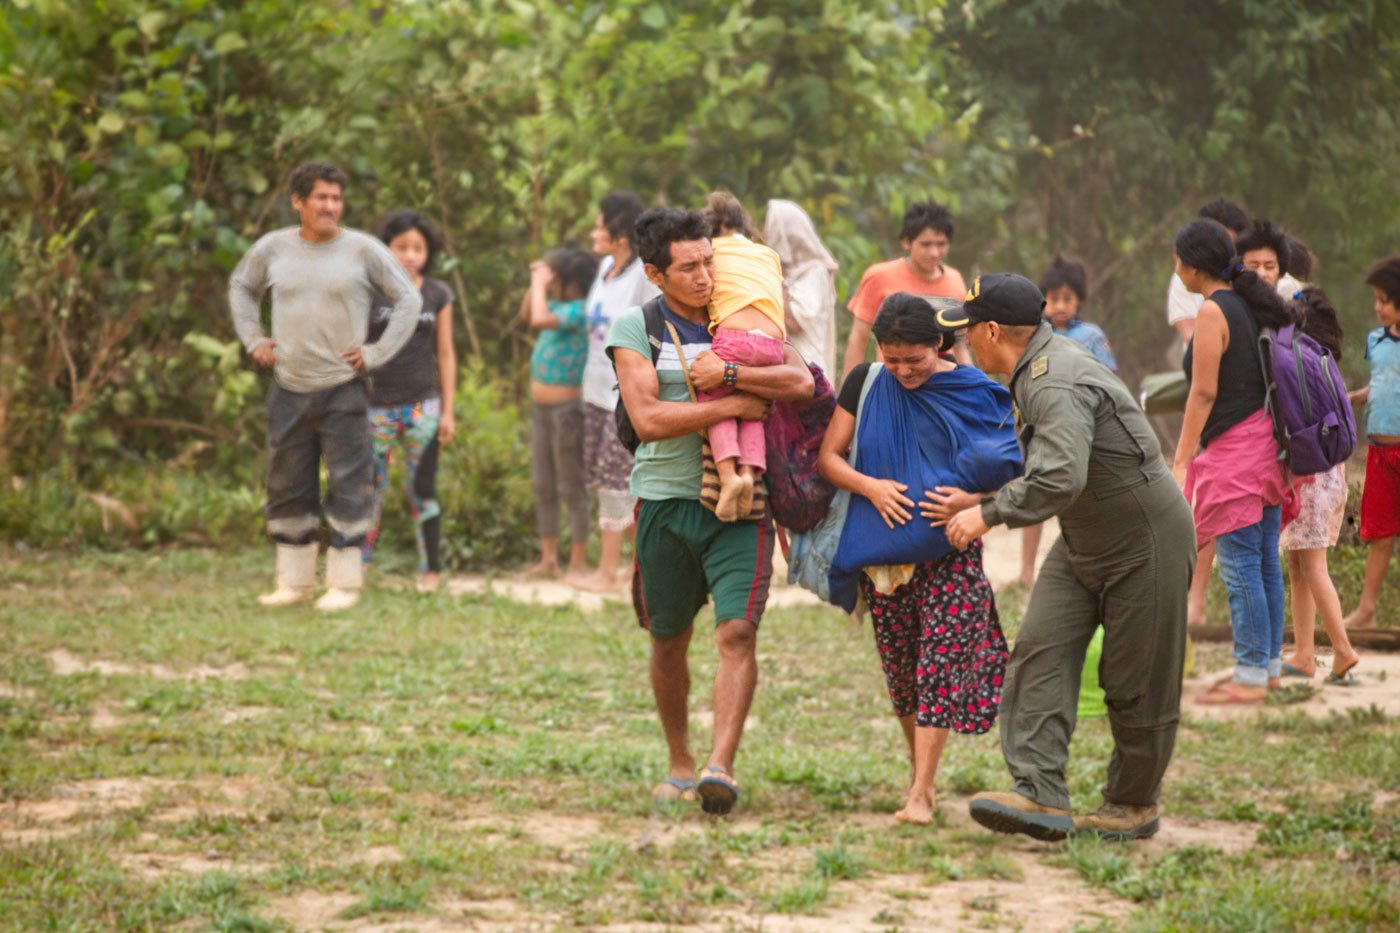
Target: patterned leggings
column 941, row 644
column 414, row 427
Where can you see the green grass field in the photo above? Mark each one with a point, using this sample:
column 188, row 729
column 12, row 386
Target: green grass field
column 175, row 757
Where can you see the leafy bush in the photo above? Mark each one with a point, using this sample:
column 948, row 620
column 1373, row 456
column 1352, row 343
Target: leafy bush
column 483, row 484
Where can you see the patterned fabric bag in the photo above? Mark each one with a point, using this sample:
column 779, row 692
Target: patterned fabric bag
column 811, row 553
column 799, row 495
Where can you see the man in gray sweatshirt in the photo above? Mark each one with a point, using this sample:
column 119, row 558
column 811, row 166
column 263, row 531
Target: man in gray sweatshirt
column 323, row 278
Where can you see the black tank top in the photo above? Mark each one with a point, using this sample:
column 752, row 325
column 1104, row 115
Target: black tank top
column 1240, row 387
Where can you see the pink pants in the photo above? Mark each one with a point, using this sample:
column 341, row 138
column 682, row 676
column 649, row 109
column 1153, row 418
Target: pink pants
column 735, row 438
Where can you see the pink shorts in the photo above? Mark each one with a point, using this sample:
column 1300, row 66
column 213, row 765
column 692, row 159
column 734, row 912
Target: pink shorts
column 741, row 440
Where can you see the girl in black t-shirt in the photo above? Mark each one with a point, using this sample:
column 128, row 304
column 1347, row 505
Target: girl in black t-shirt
column 411, row 396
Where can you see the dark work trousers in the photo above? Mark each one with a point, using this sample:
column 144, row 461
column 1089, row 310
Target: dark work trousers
column 1126, row 566
column 303, row 427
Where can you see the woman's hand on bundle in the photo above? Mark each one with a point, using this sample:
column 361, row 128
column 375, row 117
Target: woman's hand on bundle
column 707, row 371
column 889, row 500
column 943, row 502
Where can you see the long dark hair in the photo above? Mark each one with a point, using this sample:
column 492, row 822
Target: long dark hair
column 397, row 222
column 1205, row 245
column 906, row 318
column 1318, row 319
column 574, row 269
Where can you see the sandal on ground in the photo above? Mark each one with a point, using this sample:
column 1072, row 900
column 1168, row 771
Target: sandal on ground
column 718, row 790
column 1290, row 671
column 675, row 790
column 1343, row 676
column 1228, row 694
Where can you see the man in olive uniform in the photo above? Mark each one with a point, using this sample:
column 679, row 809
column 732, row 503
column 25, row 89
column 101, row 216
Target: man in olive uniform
column 1124, row 561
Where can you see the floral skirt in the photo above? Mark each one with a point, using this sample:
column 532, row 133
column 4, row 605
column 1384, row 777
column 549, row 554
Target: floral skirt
column 941, row 644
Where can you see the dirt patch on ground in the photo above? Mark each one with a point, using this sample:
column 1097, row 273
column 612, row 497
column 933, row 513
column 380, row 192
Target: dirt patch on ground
column 1378, row 677
column 243, row 714
column 9, row 691
column 311, row 910
column 156, row 866
column 107, row 716
column 1229, row 838
column 27, row 821
column 66, row 664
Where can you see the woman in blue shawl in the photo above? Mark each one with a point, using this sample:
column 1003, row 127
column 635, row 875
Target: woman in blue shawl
column 924, row 422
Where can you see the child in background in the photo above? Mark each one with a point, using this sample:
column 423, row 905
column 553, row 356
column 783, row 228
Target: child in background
column 1065, row 286
column 411, row 396
column 1380, row 496
column 1322, row 500
column 554, row 309
column 746, row 319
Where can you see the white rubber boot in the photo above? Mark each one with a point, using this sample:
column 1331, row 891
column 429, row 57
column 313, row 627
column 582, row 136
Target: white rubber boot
column 345, row 576
column 296, row 576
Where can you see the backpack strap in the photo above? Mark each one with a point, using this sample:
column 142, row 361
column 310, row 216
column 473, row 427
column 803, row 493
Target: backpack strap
column 655, row 322
column 680, row 352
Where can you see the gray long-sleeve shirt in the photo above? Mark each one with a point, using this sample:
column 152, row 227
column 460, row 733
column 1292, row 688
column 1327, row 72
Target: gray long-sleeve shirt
column 321, row 297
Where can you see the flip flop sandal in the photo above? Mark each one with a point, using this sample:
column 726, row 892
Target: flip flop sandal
column 1290, row 671
column 1346, row 679
column 674, row 790
column 718, row 790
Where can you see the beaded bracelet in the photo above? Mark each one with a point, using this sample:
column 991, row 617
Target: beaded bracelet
column 731, row 374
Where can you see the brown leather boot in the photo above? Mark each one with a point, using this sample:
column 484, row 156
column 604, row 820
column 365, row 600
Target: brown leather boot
column 1119, row 822
column 1009, row 812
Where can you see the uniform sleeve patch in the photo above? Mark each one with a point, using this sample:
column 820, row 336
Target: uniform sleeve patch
column 1039, row 366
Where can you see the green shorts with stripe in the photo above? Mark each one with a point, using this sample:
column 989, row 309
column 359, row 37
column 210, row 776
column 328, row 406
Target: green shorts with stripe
column 685, row 555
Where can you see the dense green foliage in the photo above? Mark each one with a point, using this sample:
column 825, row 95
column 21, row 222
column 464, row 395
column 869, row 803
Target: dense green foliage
column 144, row 145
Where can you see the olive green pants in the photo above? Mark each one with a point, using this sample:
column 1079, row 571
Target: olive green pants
column 1125, row 565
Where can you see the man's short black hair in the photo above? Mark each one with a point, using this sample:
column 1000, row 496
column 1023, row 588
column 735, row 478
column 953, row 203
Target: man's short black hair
column 305, row 176
column 620, row 210
column 659, row 227
column 926, row 215
column 1228, row 214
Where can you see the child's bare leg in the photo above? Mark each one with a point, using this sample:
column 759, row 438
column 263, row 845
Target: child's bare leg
column 1313, row 567
column 731, row 489
column 1200, row 584
column 1030, row 547
column 1377, row 559
column 1304, row 647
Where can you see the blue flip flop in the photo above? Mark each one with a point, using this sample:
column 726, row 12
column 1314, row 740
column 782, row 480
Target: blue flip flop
column 674, row 790
column 1290, row 671
column 1347, row 679
column 718, row 791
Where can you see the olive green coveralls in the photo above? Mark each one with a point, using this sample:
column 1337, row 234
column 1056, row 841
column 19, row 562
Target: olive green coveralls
column 1124, row 561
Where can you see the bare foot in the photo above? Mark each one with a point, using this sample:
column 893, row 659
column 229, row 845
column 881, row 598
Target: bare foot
column 1232, row 694
column 918, row 810
column 429, row 582
column 731, row 490
column 598, row 583
column 1360, row 618
column 1343, row 663
column 1275, row 683
column 1307, row 667
column 544, row 570
column 745, row 495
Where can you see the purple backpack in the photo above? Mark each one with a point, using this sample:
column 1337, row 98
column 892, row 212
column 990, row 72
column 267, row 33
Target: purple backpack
column 797, row 493
column 1307, row 400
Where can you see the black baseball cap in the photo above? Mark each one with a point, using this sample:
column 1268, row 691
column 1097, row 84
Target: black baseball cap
column 1004, row 297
